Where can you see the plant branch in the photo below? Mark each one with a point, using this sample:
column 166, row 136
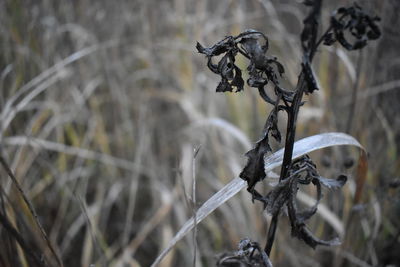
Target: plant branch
column 263, row 69
column 309, row 37
column 288, row 153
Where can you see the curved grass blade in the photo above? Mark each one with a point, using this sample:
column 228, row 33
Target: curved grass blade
column 31, row 210
column 301, row 148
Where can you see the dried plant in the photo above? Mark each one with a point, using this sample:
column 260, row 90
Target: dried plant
column 352, row 28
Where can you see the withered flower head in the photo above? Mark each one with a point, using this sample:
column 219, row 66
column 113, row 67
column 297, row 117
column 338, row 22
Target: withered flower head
column 261, row 68
column 355, row 22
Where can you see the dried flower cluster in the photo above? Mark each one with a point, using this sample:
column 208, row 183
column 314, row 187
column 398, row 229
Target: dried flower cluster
column 354, row 21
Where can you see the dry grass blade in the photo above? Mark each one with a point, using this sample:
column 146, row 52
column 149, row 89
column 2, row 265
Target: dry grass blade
column 52, row 70
column 70, row 150
column 301, row 147
column 20, row 240
column 209, row 206
column 31, row 210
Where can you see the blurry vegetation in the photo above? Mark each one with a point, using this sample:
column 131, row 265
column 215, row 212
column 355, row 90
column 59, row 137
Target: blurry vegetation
column 102, row 104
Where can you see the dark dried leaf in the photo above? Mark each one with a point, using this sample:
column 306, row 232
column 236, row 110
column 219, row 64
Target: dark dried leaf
column 254, row 171
column 277, row 197
column 260, row 68
column 280, row 67
column 304, row 234
column 219, row 48
column 309, row 33
column 253, row 48
column 231, row 75
column 273, row 126
column 308, row 213
column 238, row 80
column 299, row 228
column 310, row 78
column 225, row 67
column 264, row 95
column 329, row 39
column 224, row 86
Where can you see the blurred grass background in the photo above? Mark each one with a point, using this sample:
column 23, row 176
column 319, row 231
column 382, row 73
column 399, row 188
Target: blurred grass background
column 103, row 103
